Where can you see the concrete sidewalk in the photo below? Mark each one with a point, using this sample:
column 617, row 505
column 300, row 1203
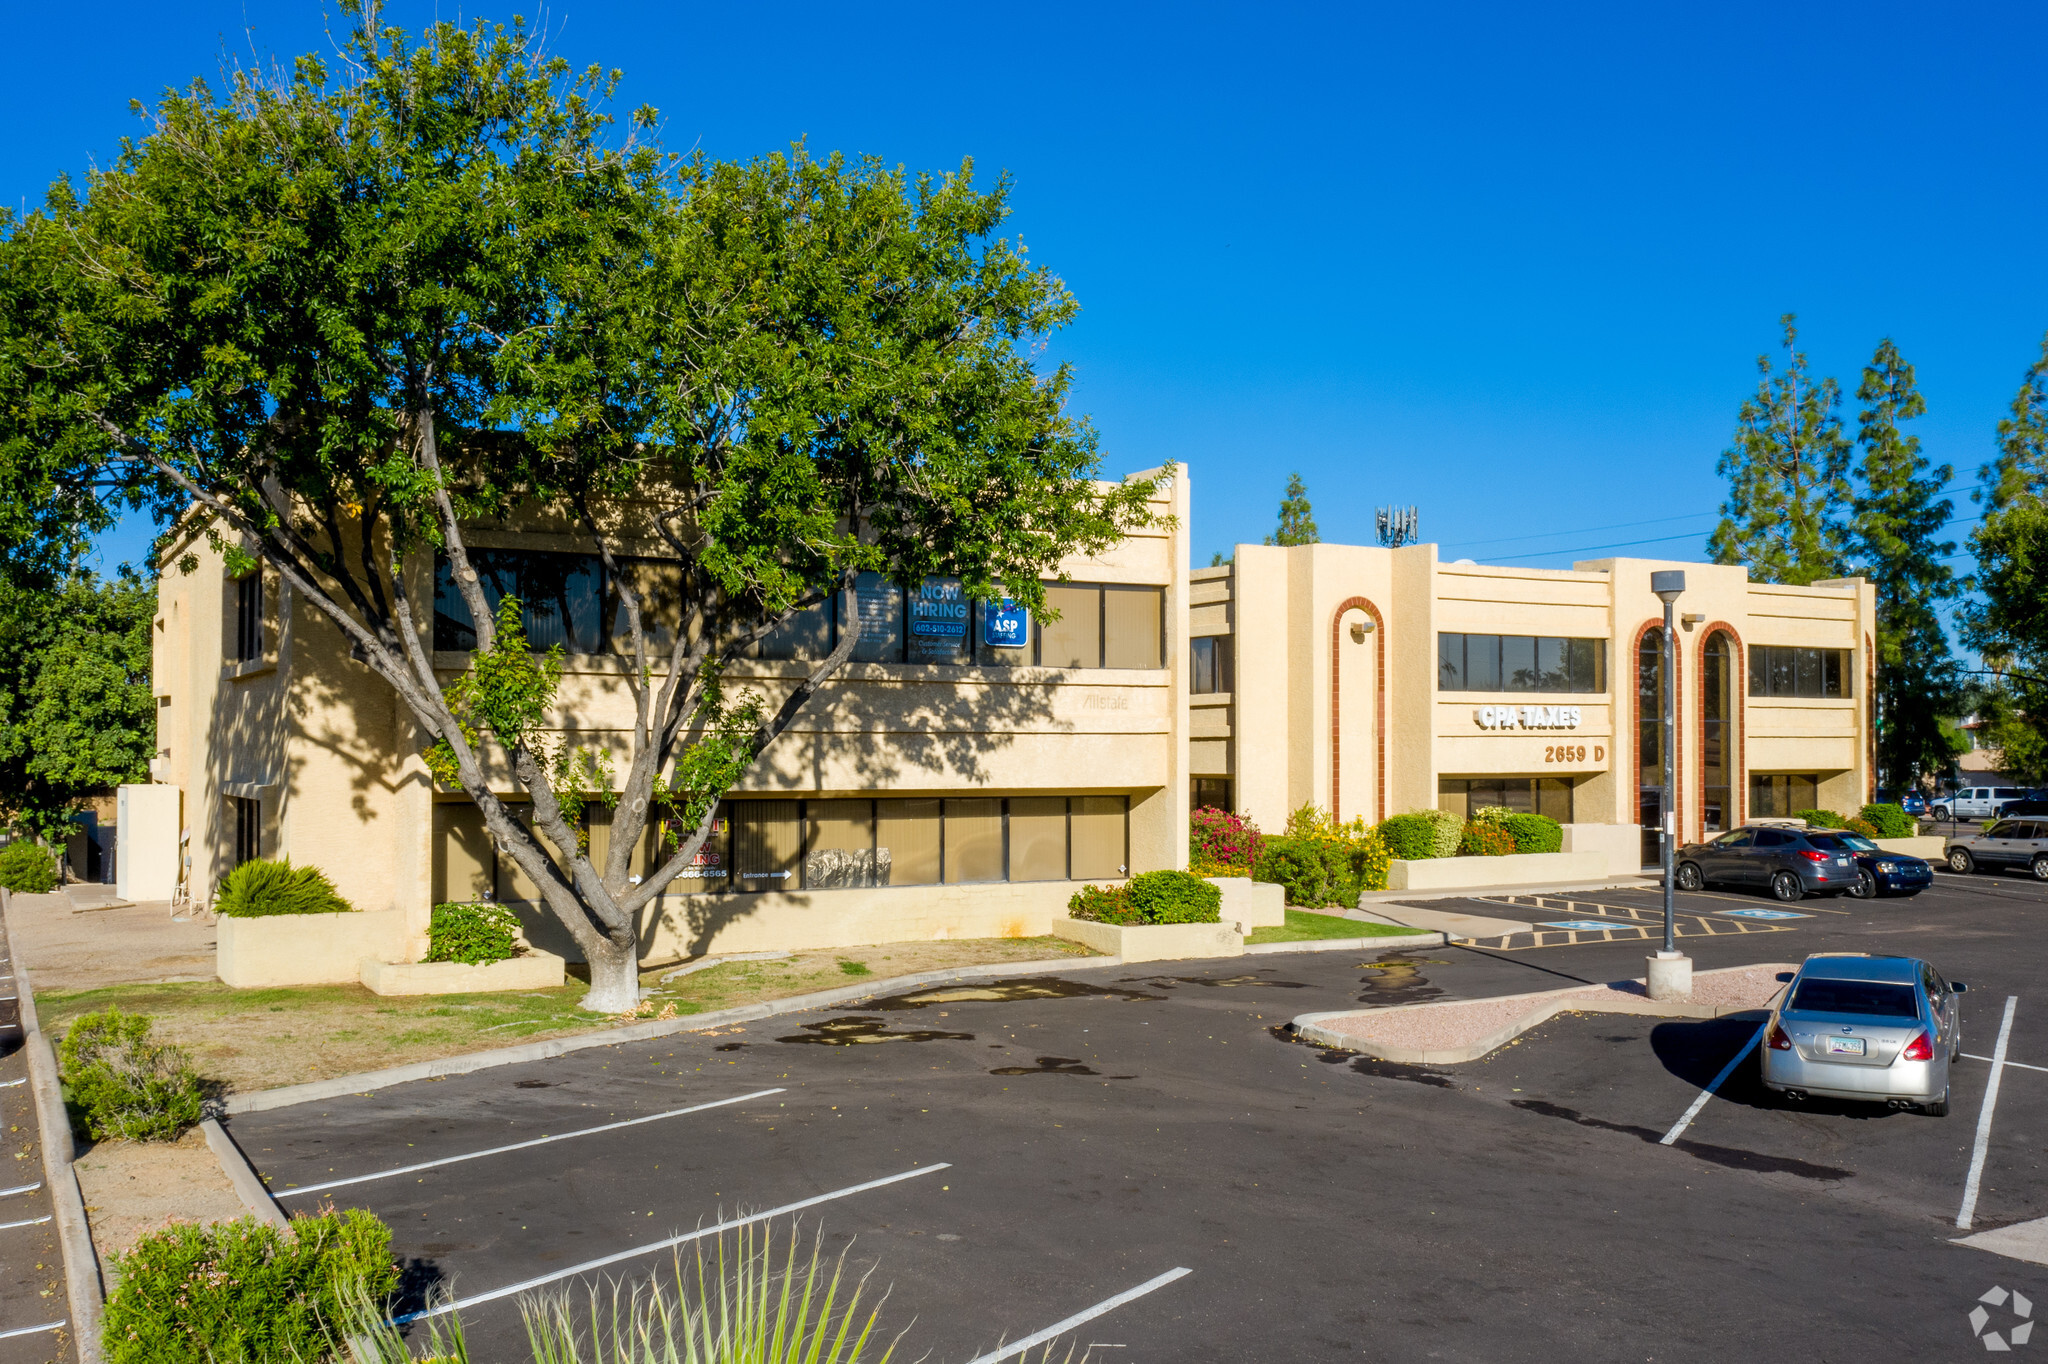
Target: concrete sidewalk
column 81, row 938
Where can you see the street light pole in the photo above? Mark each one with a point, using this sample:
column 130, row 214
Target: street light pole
column 1670, row 973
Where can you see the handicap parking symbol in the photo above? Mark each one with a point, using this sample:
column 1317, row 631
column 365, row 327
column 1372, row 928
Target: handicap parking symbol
column 1585, row 924
column 1763, row 914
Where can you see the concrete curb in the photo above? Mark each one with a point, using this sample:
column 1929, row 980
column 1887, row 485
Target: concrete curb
column 1543, row 1005
column 1383, row 897
column 83, row 1286
column 313, row 1091
column 236, row 1167
column 1389, row 942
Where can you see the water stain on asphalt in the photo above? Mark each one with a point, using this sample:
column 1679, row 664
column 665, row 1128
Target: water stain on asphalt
column 1367, row 1065
column 854, row 1029
column 1398, row 980
column 1055, row 1065
column 533, row 1084
column 1004, row 992
column 1728, row 1156
column 729, row 1046
column 1225, row 983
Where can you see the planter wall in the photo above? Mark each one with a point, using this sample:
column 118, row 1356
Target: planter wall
column 533, row 971
column 1516, row 869
column 1153, row 942
column 308, row 949
column 1251, row 904
column 1620, row 844
column 1931, row 847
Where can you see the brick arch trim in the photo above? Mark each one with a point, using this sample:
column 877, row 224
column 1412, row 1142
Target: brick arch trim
column 1379, row 696
column 1738, row 694
column 1674, row 799
column 1870, row 715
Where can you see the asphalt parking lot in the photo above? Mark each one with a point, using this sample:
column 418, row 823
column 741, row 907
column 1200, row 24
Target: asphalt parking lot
column 1015, row 1156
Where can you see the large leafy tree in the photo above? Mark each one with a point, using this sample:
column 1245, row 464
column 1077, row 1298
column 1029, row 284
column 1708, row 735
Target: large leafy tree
column 1788, row 476
column 2008, row 621
column 77, row 713
column 345, row 316
column 1899, row 513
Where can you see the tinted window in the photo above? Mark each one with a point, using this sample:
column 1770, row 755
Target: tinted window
column 1780, row 670
column 1520, row 663
column 1838, row 843
column 1741, row 838
column 1879, row 999
column 1773, row 838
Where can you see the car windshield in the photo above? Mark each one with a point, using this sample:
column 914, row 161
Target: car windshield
column 1841, row 842
column 1877, row 998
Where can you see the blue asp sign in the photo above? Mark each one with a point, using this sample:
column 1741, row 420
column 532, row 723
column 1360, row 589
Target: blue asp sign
column 1005, row 625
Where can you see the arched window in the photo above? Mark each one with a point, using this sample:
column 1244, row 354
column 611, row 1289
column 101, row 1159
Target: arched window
column 1650, row 684
column 1717, row 733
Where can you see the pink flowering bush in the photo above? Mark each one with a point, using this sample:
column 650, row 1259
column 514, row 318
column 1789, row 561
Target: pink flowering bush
column 1222, row 844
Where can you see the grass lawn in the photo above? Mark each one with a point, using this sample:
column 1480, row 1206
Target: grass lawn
column 259, row 1039
column 1305, row 926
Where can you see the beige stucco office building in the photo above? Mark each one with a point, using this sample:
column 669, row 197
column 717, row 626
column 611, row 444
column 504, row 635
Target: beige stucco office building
column 1374, row 681
column 951, row 784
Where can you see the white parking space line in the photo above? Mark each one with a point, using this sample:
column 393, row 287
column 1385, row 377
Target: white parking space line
column 20, row 1188
column 1679, row 1127
column 1977, row 1152
column 519, row 1145
column 1060, row 1328
column 2022, row 1065
column 634, row 1252
column 26, row 1222
column 30, row 1330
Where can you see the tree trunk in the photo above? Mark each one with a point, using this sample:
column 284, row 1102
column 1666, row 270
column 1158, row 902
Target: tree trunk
column 614, row 977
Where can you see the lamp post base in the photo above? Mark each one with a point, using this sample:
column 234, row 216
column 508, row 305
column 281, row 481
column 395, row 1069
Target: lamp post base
column 1669, row 975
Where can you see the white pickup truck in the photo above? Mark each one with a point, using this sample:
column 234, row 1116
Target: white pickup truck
column 1975, row 802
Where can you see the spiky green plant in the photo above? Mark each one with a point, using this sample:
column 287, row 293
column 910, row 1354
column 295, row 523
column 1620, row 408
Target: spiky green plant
column 261, row 887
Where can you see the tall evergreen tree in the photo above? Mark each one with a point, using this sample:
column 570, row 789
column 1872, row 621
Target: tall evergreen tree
column 2009, row 620
column 1788, row 476
column 2021, row 467
column 1899, row 512
column 1297, row 522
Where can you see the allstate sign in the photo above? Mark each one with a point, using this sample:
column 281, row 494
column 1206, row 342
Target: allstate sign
column 1527, row 717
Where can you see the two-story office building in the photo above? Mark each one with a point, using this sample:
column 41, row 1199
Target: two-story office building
column 1373, row 681
column 969, row 768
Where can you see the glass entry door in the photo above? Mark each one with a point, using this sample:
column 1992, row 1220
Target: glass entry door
column 1650, row 683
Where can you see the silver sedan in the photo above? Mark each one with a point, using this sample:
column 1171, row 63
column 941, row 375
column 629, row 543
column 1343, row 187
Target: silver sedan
column 1854, row 1026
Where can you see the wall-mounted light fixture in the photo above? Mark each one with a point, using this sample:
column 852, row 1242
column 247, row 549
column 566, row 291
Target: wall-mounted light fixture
column 1359, row 630
column 1692, row 618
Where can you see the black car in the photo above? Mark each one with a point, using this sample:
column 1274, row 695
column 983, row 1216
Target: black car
column 2030, row 806
column 1791, row 863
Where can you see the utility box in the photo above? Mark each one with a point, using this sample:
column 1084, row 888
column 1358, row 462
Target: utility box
column 146, row 842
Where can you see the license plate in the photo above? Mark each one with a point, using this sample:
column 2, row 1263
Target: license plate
column 1845, row 1046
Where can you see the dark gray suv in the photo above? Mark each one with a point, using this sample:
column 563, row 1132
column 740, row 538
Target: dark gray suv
column 1768, row 857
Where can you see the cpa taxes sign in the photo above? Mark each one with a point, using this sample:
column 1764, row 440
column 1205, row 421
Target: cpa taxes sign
column 1005, row 625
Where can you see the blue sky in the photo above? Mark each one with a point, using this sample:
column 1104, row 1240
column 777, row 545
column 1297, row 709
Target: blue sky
column 1511, row 264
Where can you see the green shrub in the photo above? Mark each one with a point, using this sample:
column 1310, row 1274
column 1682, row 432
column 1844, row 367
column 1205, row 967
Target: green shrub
column 126, row 1085
column 1409, row 837
column 1315, row 873
column 244, row 1290
column 1890, row 821
column 1102, row 904
column 1174, row 897
column 261, row 887
column 1822, row 819
column 1485, row 840
column 1450, row 830
column 474, row 933
column 1533, row 833
column 27, row 868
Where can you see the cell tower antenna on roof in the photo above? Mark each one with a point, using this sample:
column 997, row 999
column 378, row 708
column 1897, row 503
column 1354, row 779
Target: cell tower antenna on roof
column 1396, row 526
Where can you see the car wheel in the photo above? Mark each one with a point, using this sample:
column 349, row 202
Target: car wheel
column 1937, row 1109
column 1866, row 885
column 1960, row 861
column 1689, row 877
column 2041, row 868
column 1939, row 812
column 1786, row 886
